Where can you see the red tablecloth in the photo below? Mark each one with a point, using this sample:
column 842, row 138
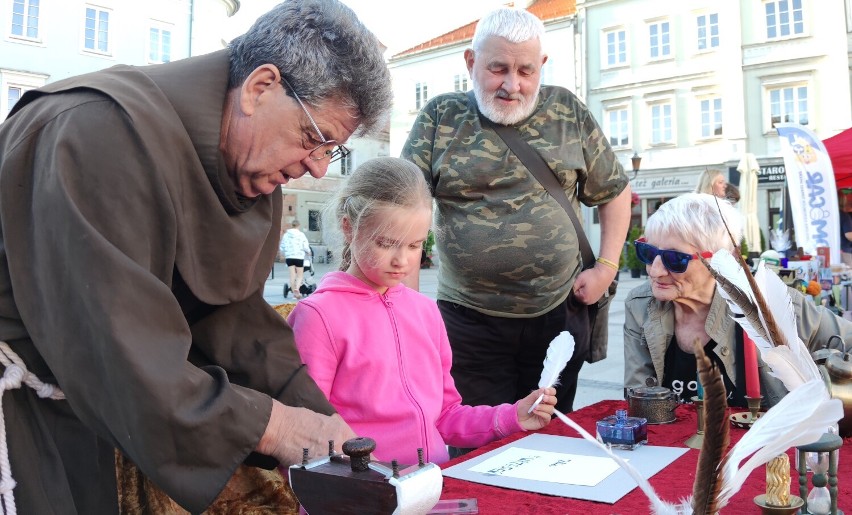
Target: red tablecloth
column 671, row 483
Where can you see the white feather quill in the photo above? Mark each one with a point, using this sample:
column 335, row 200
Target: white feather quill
column 805, row 413
column 659, row 506
column 789, row 359
column 802, row 417
column 558, row 353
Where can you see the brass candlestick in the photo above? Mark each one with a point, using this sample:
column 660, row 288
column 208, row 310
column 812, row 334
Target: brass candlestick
column 745, row 420
column 697, row 440
column 753, row 407
column 777, row 500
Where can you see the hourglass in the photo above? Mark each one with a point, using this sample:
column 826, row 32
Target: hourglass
column 821, row 457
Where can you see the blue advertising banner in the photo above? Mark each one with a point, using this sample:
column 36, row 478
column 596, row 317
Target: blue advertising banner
column 810, row 182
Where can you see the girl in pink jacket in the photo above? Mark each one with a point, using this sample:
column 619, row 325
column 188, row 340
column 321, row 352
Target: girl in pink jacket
column 379, row 349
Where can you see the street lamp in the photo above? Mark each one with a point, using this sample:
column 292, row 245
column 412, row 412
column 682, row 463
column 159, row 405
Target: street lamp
column 636, row 160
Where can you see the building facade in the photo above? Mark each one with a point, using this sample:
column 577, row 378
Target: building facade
column 43, row 41
column 685, row 86
column 698, row 84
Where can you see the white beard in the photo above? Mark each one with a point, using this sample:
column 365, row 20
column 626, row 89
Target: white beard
column 491, row 109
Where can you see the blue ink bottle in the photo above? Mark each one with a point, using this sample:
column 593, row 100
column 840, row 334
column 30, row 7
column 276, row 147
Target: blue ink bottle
column 622, row 432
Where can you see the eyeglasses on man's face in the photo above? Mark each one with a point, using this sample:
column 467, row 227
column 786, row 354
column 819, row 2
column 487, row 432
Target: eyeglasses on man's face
column 328, row 149
column 674, row 261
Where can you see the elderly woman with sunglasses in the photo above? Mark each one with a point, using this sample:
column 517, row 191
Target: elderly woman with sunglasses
column 680, row 303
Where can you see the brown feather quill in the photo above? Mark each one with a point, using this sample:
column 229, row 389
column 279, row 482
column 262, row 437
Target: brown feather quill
column 739, row 297
column 708, row 482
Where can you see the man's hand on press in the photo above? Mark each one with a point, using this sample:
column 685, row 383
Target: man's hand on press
column 292, row 429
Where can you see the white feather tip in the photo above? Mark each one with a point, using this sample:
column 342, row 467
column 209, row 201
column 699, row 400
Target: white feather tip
column 560, row 351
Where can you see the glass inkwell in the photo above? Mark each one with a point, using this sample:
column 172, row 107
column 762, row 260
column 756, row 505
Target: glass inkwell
column 622, row 432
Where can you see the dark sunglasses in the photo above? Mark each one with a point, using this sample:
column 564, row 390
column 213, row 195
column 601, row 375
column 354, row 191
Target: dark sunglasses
column 673, row 260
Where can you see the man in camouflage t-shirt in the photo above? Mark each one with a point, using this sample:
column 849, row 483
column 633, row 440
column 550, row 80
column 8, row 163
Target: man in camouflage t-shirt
column 509, row 254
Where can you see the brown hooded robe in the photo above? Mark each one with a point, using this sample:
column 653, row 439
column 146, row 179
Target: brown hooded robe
column 132, row 276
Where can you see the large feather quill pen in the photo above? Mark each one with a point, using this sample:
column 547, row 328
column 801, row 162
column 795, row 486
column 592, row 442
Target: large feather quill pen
column 658, row 506
column 715, row 443
column 771, row 326
column 558, row 353
column 803, row 415
column 707, row 483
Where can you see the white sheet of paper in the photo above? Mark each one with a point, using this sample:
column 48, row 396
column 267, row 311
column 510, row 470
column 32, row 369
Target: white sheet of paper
column 647, row 459
column 553, row 467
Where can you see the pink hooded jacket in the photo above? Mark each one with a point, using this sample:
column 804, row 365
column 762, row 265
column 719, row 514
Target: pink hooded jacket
column 384, row 363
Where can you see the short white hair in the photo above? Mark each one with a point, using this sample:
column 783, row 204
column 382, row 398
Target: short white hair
column 515, row 25
column 698, row 219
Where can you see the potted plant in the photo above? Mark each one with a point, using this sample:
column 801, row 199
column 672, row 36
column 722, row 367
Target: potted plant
column 632, row 260
column 426, row 255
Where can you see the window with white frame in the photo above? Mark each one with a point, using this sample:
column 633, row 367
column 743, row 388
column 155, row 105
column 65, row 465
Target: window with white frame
column 617, row 126
column 25, row 19
column 96, row 30
column 788, row 103
column 661, row 123
column 346, row 164
column 13, row 85
column 708, row 31
column 421, row 94
column 659, row 40
column 460, row 82
column 547, row 72
column 784, row 18
column 615, row 47
column 13, row 94
column 159, row 43
column 711, row 116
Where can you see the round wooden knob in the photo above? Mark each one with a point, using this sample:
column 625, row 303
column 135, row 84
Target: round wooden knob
column 359, row 450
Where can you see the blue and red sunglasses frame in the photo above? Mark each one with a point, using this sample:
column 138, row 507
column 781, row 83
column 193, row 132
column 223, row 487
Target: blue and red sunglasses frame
column 673, row 260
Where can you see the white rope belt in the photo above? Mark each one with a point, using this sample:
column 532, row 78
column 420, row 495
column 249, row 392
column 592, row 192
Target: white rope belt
column 16, row 373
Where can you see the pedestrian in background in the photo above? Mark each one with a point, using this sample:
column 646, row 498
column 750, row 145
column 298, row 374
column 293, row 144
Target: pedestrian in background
column 712, row 182
column 295, row 249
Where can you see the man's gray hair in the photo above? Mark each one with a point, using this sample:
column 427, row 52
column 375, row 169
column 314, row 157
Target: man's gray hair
column 515, row 25
column 324, row 52
column 698, row 219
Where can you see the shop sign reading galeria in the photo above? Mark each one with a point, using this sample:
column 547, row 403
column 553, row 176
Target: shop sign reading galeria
column 656, row 183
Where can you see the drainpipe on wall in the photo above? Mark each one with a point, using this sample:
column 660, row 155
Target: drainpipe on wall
column 191, row 23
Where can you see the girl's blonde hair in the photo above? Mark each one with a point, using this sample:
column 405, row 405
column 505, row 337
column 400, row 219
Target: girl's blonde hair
column 376, row 185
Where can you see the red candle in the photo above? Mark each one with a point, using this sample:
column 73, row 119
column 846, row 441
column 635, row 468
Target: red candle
column 752, row 380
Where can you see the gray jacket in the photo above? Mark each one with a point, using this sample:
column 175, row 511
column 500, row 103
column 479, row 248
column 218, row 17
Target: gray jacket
column 649, row 328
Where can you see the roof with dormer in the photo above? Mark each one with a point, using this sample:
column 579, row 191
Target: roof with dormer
column 546, row 10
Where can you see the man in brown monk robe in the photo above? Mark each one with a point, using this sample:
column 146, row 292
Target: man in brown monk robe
column 140, row 212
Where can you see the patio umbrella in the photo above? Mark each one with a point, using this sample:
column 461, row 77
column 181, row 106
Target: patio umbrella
column 748, row 169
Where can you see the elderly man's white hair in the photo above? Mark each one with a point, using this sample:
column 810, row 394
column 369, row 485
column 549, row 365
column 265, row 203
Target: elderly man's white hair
column 516, row 25
column 697, row 219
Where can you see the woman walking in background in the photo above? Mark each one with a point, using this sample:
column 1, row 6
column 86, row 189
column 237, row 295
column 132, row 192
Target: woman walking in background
column 712, row 182
column 294, row 246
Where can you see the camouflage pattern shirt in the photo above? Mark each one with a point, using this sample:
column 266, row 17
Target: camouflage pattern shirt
column 506, row 247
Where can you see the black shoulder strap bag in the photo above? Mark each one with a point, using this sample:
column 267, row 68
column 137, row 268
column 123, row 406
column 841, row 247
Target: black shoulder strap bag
column 588, row 324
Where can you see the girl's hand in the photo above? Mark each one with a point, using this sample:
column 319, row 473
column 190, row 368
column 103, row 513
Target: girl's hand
column 541, row 415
